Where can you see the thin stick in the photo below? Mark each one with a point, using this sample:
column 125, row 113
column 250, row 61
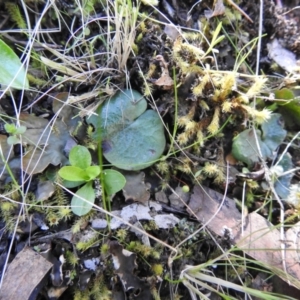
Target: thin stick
column 240, row 10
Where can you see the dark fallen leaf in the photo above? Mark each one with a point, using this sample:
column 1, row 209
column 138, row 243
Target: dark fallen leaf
column 125, row 264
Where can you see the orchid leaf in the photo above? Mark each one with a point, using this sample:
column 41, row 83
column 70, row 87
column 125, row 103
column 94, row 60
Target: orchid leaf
column 132, row 137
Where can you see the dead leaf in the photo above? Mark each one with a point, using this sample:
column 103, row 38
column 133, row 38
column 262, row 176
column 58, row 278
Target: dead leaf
column 139, row 212
column 165, row 80
column 47, row 146
column 283, row 57
column 125, row 263
column 68, row 114
column 20, row 281
column 219, row 10
column 45, row 190
column 172, row 31
column 32, row 121
column 259, row 238
column 36, row 160
column 135, row 187
column 205, row 202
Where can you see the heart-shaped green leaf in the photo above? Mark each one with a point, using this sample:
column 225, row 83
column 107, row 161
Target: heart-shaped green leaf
column 244, row 147
column 84, row 199
column 114, row 181
column 80, row 157
column 13, row 140
column 12, row 72
column 132, row 138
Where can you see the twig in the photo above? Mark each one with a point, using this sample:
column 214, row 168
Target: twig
column 240, row 10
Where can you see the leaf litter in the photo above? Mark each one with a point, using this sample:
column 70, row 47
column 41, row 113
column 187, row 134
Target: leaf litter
column 213, row 115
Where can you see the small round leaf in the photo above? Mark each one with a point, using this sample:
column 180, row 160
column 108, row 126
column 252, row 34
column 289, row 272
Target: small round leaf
column 72, row 173
column 92, row 171
column 80, row 157
column 114, row 181
column 83, row 201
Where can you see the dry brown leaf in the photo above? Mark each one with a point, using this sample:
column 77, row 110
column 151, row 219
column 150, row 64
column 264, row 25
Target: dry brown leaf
column 258, row 238
column 219, row 10
column 165, row 80
column 20, row 282
column 135, row 188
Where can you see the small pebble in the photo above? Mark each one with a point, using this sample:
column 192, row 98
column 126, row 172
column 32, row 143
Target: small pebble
column 99, row 224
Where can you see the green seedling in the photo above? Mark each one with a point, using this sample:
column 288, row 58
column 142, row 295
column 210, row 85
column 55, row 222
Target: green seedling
column 80, row 172
column 14, row 132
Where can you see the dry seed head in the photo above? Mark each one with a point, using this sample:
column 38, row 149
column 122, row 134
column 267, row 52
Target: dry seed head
column 252, row 184
column 214, row 125
column 7, row 206
column 198, row 89
column 259, row 116
column 65, row 212
column 200, row 137
column 242, row 99
column 151, row 70
column 257, row 86
column 217, row 95
column 191, row 125
column 185, row 168
column 220, row 178
column 182, row 121
column 226, row 106
column 227, row 85
column 182, row 138
column 262, row 116
column 162, row 167
column 203, row 105
column 211, row 169
column 147, row 89
column 294, row 196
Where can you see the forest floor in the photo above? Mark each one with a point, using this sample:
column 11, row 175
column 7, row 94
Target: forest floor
column 149, row 149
